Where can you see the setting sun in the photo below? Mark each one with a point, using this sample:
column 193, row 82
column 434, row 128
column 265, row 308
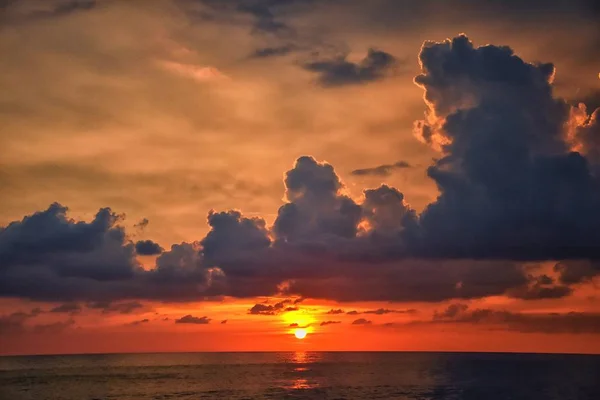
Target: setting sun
column 300, row 333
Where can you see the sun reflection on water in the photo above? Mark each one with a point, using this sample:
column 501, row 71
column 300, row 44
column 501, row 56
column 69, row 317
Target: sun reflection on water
column 302, row 376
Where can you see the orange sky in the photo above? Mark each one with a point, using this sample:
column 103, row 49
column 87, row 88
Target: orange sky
column 160, row 117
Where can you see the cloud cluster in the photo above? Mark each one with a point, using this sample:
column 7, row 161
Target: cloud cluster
column 573, row 322
column 517, row 176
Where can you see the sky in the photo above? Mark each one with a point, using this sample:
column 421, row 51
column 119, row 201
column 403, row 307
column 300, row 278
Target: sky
column 205, row 175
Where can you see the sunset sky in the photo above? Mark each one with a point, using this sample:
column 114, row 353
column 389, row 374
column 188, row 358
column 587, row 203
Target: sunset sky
column 212, row 175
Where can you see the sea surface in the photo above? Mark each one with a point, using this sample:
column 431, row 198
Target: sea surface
column 305, row 375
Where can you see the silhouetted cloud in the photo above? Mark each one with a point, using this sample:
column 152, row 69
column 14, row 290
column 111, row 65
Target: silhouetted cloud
column 353, row 312
column 189, row 319
column 267, row 309
column 71, row 308
column 518, row 181
column 121, row 308
column 381, row 170
column 266, row 52
column 336, row 311
column 325, row 323
column 573, row 322
column 223, row 322
column 339, row 71
column 383, row 311
column 148, row 248
column 361, row 321
column 139, row 322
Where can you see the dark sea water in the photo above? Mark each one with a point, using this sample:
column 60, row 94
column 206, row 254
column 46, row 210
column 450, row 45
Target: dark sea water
column 310, row 375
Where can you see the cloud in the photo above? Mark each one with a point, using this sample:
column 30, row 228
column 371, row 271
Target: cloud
column 147, row 248
column 383, row 311
column 267, row 52
column 572, row 322
column 381, row 170
column 189, row 319
column 20, row 11
column 376, row 65
column 139, row 322
column 294, row 325
column 361, row 321
column 325, row 323
column 71, row 308
column 335, row 312
column 316, row 206
column 353, row 312
column 121, row 308
column 510, row 187
column 518, row 181
column 223, row 322
column 267, row 309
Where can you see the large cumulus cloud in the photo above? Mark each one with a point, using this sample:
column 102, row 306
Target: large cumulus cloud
column 510, row 184
column 517, row 178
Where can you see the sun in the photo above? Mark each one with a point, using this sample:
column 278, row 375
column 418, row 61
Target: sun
column 300, row 333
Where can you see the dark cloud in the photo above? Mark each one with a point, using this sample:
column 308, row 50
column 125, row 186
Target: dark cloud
column 510, row 186
column 353, row 312
column 267, row 309
column 13, row 323
column 573, row 322
column 540, row 287
column 25, row 11
column 71, row 308
column 189, row 319
column 335, row 312
column 383, row 311
column 316, row 207
column 381, row 170
column 361, row 321
column 267, row 52
column 325, row 323
column 140, row 322
column 121, row 308
column 517, row 178
column 376, row 65
column 148, row 248
column 223, row 322
column 576, row 271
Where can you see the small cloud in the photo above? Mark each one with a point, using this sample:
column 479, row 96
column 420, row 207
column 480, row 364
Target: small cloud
column 223, row 322
column 267, row 52
column 122, row 308
column 382, row 311
column 324, row 323
column 189, row 319
column 143, row 321
column 294, row 325
column 353, row 312
column 148, row 248
column 335, row 312
column 361, row 321
column 381, row 170
column 291, row 309
column 340, row 72
column 71, row 308
column 299, row 300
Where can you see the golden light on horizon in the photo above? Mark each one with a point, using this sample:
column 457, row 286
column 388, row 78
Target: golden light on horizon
column 300, row 333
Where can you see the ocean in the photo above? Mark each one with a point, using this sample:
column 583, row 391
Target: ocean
column 303, row 375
